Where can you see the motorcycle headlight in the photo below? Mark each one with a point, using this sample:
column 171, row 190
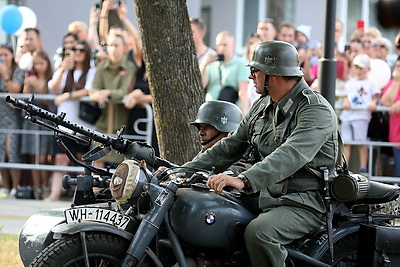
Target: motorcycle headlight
column 126, row 180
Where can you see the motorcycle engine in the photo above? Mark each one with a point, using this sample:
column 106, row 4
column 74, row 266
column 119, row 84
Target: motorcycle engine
column 205, row 219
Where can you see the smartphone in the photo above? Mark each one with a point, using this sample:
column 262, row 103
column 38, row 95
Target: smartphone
column 360, row 24
column 31, row 73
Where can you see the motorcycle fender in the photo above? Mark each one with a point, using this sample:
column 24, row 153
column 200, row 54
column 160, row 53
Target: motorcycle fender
column 36, row 233
column 75, row 228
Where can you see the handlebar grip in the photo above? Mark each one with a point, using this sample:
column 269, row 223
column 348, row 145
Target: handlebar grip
column 67, row 181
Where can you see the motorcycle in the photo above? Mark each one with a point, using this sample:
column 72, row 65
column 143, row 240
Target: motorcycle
column 172, row 219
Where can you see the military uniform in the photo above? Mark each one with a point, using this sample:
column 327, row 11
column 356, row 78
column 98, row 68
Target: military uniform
column 289, row 197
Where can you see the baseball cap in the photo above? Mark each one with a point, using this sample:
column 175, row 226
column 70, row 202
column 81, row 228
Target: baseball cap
column 363, row 61
column 305, row 29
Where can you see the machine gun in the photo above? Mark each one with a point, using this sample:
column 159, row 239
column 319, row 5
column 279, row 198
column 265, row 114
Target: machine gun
column 84, row 135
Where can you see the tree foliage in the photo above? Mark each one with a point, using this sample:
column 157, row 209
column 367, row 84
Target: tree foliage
column 173, row 73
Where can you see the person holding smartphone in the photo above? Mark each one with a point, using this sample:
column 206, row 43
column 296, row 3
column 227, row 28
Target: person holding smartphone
column 71, row 81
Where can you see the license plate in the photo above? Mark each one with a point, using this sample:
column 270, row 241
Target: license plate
column 76, row 215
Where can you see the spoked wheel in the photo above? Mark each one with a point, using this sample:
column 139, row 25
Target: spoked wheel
column 102, row 250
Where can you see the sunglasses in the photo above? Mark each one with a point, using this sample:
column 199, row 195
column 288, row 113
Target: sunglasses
column 253, row 72
column 380, row 46
column 79, row 49
column 398, row 46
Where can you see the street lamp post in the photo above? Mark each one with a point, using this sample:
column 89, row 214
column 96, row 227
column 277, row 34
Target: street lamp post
column 327, row 67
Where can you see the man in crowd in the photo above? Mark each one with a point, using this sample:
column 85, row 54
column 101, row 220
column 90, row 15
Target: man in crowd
column 225, row 76
column 199, row 31
column 287, row 32
column 266, row 29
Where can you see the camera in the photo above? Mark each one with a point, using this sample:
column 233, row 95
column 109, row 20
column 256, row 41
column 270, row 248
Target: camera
column 220, row 57
column 99, row 5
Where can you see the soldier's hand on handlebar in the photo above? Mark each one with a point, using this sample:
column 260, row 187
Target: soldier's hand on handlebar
column 219, row 181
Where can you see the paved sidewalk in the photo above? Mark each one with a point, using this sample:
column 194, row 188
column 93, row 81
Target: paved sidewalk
column 15, row 212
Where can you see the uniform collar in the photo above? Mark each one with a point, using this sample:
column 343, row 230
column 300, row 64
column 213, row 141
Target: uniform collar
column 287, row 101
column 123, row 65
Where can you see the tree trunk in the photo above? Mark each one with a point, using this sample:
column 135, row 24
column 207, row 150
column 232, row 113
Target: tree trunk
column 276, row 11
column 174, row 75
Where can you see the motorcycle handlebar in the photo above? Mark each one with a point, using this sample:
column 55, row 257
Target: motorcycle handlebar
column 130, row 149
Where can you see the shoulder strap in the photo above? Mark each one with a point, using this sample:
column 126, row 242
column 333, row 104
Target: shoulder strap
column 290, row 113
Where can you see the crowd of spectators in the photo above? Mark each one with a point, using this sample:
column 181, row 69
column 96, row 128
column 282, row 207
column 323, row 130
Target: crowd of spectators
column 105, row 61
column 102, row 60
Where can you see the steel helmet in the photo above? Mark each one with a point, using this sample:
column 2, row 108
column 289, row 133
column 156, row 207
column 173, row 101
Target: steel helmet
column 276, row 58
column 222, row 115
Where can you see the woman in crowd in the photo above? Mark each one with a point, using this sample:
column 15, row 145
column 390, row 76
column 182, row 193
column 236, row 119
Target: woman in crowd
column 69, row 42
column 391, row 98
column 38, row 144
column 71, row 81
column 11, row 81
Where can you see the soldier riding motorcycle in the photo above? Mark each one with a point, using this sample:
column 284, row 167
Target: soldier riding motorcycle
column 166, row 222
column 156, row 223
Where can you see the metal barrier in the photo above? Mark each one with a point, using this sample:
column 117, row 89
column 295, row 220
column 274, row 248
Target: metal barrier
column 147, row 137
column 142, row 135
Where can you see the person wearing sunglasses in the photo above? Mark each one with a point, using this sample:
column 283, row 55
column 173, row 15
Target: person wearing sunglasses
column 295, row 133
column 381, row 48
column 71, row 81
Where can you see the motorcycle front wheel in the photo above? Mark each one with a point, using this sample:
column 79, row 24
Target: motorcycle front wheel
column 102, row 250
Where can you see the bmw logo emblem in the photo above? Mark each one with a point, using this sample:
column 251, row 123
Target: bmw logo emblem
column 209, row 218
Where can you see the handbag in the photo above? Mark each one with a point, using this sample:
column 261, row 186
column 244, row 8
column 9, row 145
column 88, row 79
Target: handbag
column 378, row 128
column 228, row 93
column 89, row 112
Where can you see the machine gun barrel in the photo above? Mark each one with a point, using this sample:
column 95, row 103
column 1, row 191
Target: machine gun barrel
column 34, row 110
column 130, row 149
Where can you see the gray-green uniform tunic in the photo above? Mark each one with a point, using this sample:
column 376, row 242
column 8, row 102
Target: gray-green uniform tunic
column 288, row 194
column 118, row 80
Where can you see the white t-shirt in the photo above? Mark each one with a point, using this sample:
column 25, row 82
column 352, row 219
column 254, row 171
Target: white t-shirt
column 71, row 107
column 360, row 93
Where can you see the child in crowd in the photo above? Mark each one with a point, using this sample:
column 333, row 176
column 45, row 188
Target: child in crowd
column 36, row 83
column 362, row 96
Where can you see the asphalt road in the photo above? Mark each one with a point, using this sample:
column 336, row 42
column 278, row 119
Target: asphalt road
column 15, row 212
